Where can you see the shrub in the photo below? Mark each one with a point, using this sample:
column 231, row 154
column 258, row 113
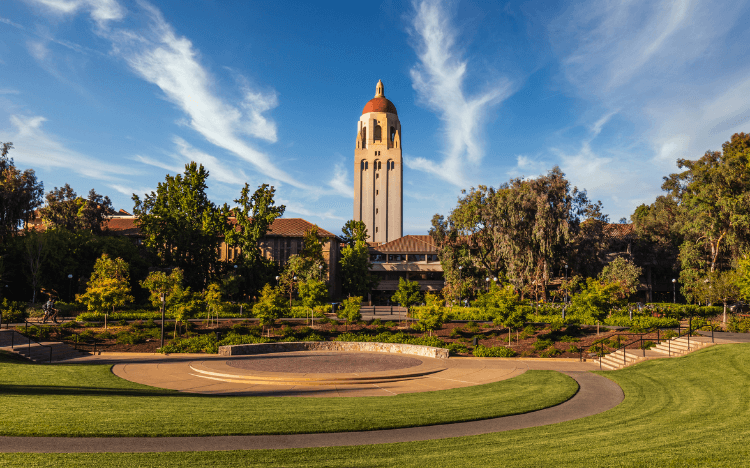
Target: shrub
column 736, row 325
column 313, row 337
column 472, row 327
column 71, row 324
column 541, row 344
column 455, row 333
column 574, row 349
column 458, row 348
column 86, row 335
column 104, row 336
column 495, row 351
column 13, row 312
column 528, row 331
column 568, row 339
column 550, row 352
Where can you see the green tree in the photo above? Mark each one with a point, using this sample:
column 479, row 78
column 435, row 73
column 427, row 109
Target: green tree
column 356, row 279
column 349, row 310
column 254, row 215
column 65, row 209
column 179, row 300
column 313, row 293
column 432, row 316
column 407, row 294
column 623, row 272
column 521, row 230
column 109, row 286
column 743, row 277
column 270, row 306
column 597, row 298
column 20, row 195
column 212, row 297
column 183, row 226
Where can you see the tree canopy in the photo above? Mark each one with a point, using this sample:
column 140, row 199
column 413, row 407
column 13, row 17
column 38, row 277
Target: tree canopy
column 65, row 209
column 20, row 194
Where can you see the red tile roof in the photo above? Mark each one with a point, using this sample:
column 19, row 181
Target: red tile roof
column 619, row 231
column 281, row 227
column 379, row 104
column 413, row 244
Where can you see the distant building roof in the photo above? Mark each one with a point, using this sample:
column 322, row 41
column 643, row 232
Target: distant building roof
column 619, row 231
column 411, row 243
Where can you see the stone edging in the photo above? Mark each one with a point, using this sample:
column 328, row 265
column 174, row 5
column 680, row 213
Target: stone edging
column 348, row 346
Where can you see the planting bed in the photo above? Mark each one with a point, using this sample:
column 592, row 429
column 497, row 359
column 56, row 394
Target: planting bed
column 533, row 341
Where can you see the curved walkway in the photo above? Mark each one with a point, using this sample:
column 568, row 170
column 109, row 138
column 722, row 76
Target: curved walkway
column 596, row 394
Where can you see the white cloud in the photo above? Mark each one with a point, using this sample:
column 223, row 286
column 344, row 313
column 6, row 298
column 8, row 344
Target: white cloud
column 102, row 11
column 38, row 50
column 221, row 171
column 292, row 207
column 439, row 79
column 340, row 182
column 35, row 147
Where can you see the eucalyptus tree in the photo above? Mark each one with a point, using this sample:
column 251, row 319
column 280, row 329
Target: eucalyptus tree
column 65, row 209
column 20, row 194
column 521, row 230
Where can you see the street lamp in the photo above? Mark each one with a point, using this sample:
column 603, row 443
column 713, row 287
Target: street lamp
column 487, row 280
column 291, row 287
column 566, row 280
column 460, row 267
column 70, row 281
column 674, row 291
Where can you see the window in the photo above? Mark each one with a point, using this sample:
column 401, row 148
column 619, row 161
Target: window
column 396, row 258
column 366, row 164
column 377, row 176
column 362, row 165
column 376, row 133
column 376, row 192
column 432, row 258
column 377, row 258
column 393, row 133
column 376, row 211
column 379, row 165
column 416, row 258
column 376, row 229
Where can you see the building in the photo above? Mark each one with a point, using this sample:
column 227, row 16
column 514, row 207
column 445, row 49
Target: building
column 410, row 257
column 378, row 169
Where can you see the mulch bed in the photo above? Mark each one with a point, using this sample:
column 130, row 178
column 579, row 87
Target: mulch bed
column 569, row 341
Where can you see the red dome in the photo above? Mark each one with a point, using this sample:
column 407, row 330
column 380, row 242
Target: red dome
column 379, row 104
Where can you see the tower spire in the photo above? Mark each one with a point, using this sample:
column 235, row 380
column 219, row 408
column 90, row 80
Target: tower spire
column 379, row 90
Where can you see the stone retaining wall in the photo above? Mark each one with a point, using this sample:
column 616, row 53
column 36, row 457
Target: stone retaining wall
column 349, row 346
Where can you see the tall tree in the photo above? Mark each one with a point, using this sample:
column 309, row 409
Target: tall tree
column 182, row 225
column 356, row 279
column 254, row 215
column 65, row 209
column 20, row 194
column 521, row 230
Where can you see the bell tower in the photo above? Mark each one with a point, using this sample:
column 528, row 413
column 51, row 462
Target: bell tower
column 378, row 169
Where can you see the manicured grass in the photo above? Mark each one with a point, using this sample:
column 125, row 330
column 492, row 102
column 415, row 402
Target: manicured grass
column 683, row 412
column 88, row 400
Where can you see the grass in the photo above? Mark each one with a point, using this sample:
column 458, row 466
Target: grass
column 692, row 411
column 88, row 400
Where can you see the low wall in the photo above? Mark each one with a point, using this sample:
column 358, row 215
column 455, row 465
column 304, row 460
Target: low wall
column 349, row 346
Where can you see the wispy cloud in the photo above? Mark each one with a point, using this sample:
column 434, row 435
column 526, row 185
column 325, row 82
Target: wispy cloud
column 37, row 148
column 439, row 78
column 341, row 183
column 102, row 11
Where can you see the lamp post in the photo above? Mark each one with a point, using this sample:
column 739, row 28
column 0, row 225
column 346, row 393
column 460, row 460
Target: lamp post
column 291, row 287
column 70, row 282
column 162, row 298
column 566, row 280
column 487, row 280
column 460, row 267
column 674, row 291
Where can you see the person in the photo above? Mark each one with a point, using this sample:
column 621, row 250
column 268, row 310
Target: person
column 49, row 311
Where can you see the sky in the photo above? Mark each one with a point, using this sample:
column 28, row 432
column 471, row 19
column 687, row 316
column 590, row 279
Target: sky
column 115, row 94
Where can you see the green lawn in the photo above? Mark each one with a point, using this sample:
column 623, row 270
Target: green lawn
column 691, row 411
column 88, row 400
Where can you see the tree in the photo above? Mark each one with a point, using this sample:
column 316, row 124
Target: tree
column 270, row 306
column 109, row 286
column 183, row 226
column 433, row 315
column 349, row 310
column 354, row 232
column 743, row 277
column 597, row 298
column 713, row 196
column 35, row 250
column 355, row 261
column 254, row 216
column 20, row 195
column 720, row 286
column 180, row 301
column 521, row 230
column 623, row 272
column 212, row 297
column 407, row 294
column 65, row 209
column 313, row 293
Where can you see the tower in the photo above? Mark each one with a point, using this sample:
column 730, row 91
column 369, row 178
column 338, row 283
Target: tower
column 378, row 170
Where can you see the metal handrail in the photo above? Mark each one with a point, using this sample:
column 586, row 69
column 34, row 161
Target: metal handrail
column 30, row 339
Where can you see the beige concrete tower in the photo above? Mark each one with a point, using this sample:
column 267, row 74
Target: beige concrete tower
column 378, row 172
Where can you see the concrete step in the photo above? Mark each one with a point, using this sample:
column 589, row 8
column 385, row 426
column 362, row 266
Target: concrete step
column 616, row 360
column 35, row 351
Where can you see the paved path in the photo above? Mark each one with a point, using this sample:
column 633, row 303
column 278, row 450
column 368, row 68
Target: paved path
column 596, row 394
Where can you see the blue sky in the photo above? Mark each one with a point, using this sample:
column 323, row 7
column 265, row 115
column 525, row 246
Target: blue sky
column 114, row 94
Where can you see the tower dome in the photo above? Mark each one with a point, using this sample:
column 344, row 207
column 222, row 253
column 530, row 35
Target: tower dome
column 379, row 103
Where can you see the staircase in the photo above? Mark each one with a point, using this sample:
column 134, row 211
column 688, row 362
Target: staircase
column 44, row 352
column 668, row 348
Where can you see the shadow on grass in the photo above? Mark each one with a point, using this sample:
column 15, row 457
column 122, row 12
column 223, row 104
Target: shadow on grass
column 62, row 390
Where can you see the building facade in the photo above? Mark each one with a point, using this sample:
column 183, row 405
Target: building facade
column 378, row 169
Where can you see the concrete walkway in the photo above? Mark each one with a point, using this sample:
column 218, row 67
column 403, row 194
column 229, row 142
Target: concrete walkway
column 596, row 394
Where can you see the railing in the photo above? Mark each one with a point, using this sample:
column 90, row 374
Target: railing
column 29, row 340
column 623, row 347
